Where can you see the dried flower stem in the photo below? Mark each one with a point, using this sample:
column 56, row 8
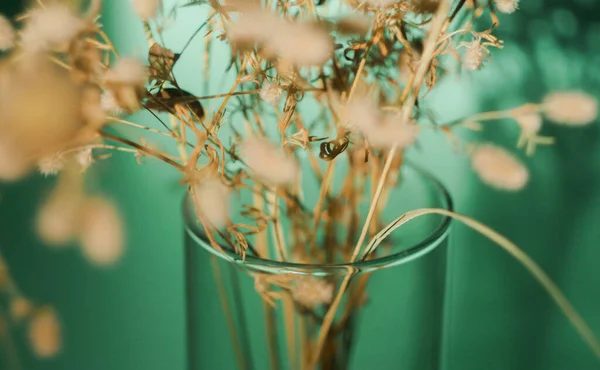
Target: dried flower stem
column 150, row 129
column 556, row 294
column 428, row 53
column 144, row 149
column 214, row 262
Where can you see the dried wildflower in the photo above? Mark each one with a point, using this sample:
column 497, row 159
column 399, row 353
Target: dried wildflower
column 311, row 291
column 31, row 131
column 146, row 9
column 20, row 308
column 84, row 158
column 126, row 81
column 271, row 93
column 507, row 6
column 354, row 25
column 392, row 133
column 51, row 165
column 268, row 161
column 51, row 27
column 475, row 55
column 570, row 108
column 45, row 334
column 7, row 34
column 213, row 201
column 102, row 234
column 498, row 168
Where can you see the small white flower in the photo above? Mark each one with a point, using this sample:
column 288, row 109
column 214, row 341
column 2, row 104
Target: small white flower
column 102, row 235
column 571, row 108
column 7, row 34
column 213, row 201
column 475, row 55
column 271, row 93
column 51, row 27
column 45, row 334
column 51, row 165
column 268, row 161
column 507, row 6
column 498, row 168
column 146, row 9
column 310, row 291
column 84, row 158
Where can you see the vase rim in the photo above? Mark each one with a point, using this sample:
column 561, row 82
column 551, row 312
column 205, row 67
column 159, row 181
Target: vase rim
column 427, row 244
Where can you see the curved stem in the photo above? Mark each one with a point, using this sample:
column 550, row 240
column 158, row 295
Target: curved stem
column 545, row 281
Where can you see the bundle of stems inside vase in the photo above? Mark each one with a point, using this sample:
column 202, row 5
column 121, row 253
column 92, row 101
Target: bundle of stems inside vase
column 325, row 92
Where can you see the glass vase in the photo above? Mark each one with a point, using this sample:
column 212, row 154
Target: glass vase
column 391, row 315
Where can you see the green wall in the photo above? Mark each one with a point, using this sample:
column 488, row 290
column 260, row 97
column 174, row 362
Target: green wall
column 132, row 316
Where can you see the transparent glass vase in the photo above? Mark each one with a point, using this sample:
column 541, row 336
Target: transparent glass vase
column 391, row 316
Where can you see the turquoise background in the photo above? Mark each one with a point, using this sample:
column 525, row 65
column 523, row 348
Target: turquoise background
column 132, row 316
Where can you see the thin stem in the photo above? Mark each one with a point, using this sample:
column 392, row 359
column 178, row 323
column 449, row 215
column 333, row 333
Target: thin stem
column 144, row 149
column 427, row 57
column 120, row 120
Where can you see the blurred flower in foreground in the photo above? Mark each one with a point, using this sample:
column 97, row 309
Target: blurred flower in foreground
column 39, row 113
column 268, row 161
column 102, row 234
column 571, row 108
column 213, row 201
column 45, row 333
column 498, row 168
column 146, row 9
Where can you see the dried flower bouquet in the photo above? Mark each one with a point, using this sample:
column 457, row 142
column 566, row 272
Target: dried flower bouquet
column 366, row 68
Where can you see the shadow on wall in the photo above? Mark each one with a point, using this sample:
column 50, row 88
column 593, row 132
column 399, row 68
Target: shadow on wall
column 501, row 317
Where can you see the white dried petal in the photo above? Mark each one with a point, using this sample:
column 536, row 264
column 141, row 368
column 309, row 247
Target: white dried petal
column 109, row 104
column 268, row 161
column 498, row 168
column 571, row 108
column 45, row 334
column 102, row 235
